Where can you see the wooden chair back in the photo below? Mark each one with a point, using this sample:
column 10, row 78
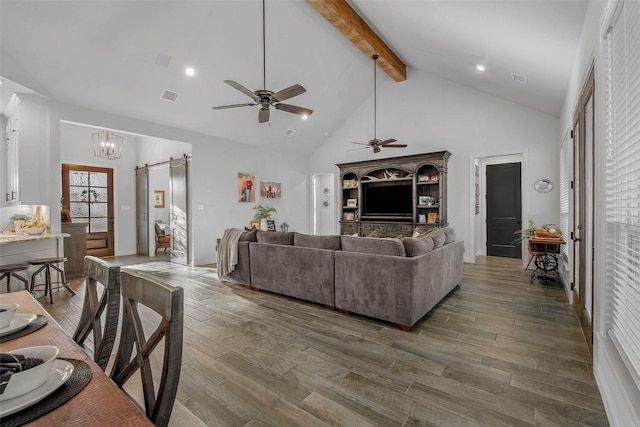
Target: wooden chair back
column 168, row 302
column 93, row 309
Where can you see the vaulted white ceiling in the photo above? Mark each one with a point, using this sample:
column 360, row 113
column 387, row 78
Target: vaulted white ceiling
column 104, row 55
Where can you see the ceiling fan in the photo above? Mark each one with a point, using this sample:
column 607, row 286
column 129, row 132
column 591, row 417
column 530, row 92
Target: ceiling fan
column 264, row 97
column 376, row 143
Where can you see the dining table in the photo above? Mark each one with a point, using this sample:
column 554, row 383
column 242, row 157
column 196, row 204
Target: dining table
column 99, row 402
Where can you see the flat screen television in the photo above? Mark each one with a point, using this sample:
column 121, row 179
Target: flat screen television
column 387, row 200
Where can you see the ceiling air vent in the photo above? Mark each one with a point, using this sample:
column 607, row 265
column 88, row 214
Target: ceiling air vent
column 519, row 78
column 169, row 95
column 289, row 132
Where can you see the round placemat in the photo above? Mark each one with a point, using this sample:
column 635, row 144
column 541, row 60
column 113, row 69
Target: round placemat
column 80, row 377
column 31, row 327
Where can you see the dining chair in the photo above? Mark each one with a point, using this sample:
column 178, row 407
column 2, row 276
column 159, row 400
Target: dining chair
column 167, row 302
column 104, row 334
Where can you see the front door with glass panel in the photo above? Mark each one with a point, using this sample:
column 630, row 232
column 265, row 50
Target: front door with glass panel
column 88, row 194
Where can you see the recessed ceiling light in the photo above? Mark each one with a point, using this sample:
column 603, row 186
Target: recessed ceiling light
column 190, row 71
column 480, row 67
column 304, row 117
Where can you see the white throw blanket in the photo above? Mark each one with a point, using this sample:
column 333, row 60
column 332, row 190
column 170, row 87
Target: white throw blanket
column 228, row 251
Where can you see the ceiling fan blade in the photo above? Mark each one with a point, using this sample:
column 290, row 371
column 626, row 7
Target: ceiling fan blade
column 387, row 141
column 289, row 92
column 360, row 143
column 263, row 115
column 376, row 149
column 222, row 107
column 396, row 146
column 294, row 109
column 359, row 148
column 241, row 88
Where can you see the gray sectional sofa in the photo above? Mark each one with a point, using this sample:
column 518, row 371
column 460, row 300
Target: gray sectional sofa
column 396, row 280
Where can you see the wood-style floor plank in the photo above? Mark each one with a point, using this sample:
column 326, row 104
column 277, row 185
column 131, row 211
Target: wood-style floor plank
column 498, row 351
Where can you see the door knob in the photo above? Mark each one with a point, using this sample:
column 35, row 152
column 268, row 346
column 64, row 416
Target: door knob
column 576, row 239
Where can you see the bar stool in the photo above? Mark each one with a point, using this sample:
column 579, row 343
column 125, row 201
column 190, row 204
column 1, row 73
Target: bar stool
column 47, row 264
column 10, row 270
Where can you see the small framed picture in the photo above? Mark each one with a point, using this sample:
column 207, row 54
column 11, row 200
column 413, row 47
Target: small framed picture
column 349, row 216
column 352, row 203
column 158, row 199
column 271, row 225
column 65, row 216
column 350, row 183
column 422, row 218
column 255, row 224
column 423, row 200
column 432, row 218
column 424, row 178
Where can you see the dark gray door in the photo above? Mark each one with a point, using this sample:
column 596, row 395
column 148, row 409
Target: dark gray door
column 504, row 209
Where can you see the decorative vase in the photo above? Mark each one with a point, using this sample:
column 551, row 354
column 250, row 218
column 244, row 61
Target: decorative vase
column 263, row 224
column 18, row 224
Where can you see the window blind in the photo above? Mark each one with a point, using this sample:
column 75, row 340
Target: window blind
column 566, row 170
column 622, row 177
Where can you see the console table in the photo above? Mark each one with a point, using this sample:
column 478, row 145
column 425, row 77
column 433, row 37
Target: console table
column 545, row 264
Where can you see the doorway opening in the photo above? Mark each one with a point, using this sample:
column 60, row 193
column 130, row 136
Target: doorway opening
column 484, row 234
column 323, row 204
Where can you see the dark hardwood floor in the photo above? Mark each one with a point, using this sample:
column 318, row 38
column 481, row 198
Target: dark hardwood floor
column 498, row 351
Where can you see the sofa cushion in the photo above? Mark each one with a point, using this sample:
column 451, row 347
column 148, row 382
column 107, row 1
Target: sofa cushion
column 449, row 235
column 160, row 229
column 372, row 245
column 415, row 246
column 317, row 242
column 438, row 237
column 275, row 237
column 249, row 235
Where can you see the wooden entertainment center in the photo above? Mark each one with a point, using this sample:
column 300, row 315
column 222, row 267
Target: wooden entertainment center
column 393, row 196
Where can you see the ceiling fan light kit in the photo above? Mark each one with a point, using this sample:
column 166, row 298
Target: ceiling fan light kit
column 267, row 98
column 377, row 144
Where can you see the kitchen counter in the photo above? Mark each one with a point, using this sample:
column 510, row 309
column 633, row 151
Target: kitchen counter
column 13, row 238
column 18, row 249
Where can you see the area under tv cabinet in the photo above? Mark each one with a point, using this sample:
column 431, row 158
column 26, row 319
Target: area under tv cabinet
column 394, row 196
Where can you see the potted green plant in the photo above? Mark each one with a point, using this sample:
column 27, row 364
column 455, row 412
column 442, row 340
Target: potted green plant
column 525, row 233
column 263, row 213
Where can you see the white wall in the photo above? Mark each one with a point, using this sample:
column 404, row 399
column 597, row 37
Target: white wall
column 214, row 169
column 431, row 114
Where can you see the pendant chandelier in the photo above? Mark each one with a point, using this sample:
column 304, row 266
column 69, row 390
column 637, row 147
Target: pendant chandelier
column 107, row 144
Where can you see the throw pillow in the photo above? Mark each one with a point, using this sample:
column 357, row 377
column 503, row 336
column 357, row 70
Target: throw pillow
column 418, row 246
column 438, row 237
column 249, row 235
column 370, row 245
column 160, row 229
column 275, row 237
column 450, row 235
column 317, row 242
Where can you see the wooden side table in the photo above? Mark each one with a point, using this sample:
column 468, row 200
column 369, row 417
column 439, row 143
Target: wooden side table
column 543, row 251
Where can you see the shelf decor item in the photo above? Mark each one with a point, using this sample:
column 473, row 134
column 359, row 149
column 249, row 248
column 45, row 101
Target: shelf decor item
column 426, row 200
column 424, row 178
column 350, row 183
column 352, row 203
column 432, row 218
column 349, row 216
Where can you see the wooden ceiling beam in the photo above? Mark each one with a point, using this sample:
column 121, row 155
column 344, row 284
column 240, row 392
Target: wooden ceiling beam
column 342, row 16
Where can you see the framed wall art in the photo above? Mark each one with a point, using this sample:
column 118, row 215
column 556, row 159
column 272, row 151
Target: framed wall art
column 270, row 190
column 246, row 184
column 158, row 199
column 432, row 218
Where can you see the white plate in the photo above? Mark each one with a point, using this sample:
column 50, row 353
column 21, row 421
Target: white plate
column 60, row 373
column 19, row 321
